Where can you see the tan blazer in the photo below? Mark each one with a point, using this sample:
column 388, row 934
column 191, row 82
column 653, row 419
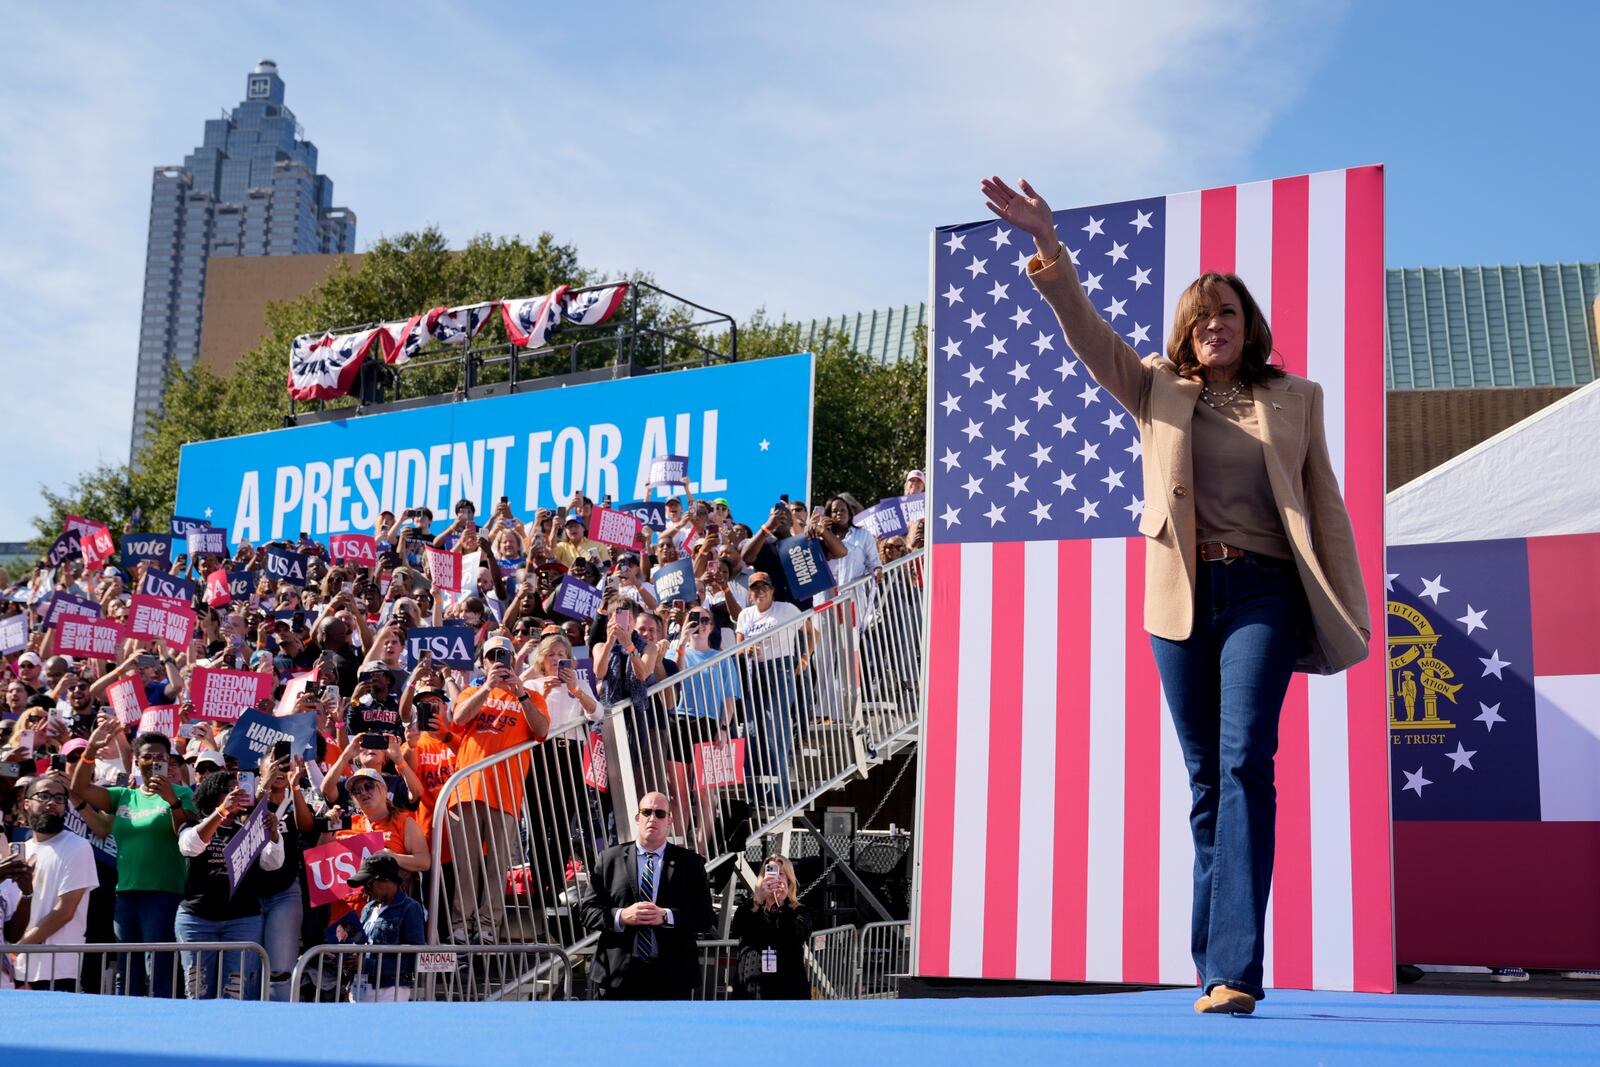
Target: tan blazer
column 1289, row 410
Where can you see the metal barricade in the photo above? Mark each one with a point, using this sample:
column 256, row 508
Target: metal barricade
column 739, row 742
column 192, row 970
column 513, row 840
column 831, row 959
column 719, row 969
column 436, row 972
column 885, row 955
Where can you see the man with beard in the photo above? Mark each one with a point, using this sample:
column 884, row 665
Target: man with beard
column 63, row 875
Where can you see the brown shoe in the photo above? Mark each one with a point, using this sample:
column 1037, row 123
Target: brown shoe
column 1224, row 1001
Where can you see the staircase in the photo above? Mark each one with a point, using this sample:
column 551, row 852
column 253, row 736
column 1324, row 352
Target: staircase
column 783, row 731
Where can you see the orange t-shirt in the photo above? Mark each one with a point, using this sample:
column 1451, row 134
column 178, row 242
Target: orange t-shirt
column 393, row 830
column 436, row 762
column 499, row 725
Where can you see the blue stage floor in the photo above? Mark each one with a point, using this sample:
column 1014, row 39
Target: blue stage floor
column 39, row 1029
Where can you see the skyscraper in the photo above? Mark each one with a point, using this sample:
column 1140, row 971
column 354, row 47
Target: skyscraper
column 250, row 189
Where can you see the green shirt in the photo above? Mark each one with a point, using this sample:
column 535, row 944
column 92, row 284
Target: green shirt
column 147, row 845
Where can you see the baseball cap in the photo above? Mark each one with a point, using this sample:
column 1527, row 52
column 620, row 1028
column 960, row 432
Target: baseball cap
column 918, row 475
column 722, row 501
column 498, row 642
column 366, row 772
column 30, row 657
column 760, row 578
column 77, row 744
column 574, row 516
column 374, row 867
column 209, row 757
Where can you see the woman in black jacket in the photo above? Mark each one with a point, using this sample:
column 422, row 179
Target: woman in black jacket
column 772, row 935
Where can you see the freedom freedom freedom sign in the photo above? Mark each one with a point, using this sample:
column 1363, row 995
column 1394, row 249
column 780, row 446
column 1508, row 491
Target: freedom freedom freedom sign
column 535, row 448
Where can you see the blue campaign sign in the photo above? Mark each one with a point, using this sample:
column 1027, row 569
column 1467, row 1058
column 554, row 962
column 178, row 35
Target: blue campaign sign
column 806, row 566
column 181, row 526
column 453, row 646
column 746, row 428
column 285, row 566
column 674, row 581
column 157, row 583
column 241, row 583
column 652, row 513
column 253, row 736
column 138, row 547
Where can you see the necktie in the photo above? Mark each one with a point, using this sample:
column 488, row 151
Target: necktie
column 645, row 944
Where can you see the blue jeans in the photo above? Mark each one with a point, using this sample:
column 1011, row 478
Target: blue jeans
column 145, row 915
column 200, row 968
column 281, row 915
column 769, row 729
column 1225, row 685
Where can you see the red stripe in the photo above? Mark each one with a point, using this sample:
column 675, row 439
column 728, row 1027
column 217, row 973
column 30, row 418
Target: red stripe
column 1364, row 487
column 939, row 772
column 1070, row 878
column 1564, row 595
column 1005, row 760
column 1291, row 871
column 1141, row 798
column 1291, row 221
column 1292, row 903
column 1219, row 229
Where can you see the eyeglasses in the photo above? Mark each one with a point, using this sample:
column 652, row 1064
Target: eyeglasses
column 363, row 787
column 696, row 620
column 49, row 798
column 660, row 813
column 81, row 687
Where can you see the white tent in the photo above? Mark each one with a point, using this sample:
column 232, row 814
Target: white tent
column 1540, row 476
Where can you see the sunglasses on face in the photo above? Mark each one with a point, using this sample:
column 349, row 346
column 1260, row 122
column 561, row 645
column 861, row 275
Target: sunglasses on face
column 363, row 787
column 696, row 620
column 660, row 813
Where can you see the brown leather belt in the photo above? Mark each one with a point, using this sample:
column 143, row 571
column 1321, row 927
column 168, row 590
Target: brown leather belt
column 1218, row 552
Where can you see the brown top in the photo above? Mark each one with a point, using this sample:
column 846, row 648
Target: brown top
column 1233, row 501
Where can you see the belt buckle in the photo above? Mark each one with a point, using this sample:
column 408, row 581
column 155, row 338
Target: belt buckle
column 1221, row 553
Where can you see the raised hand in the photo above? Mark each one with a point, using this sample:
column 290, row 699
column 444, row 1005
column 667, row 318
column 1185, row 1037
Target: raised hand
column 1026, row 210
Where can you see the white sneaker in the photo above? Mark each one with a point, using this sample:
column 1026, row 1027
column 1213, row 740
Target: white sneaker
column 1508, row 974
column 1582, row 976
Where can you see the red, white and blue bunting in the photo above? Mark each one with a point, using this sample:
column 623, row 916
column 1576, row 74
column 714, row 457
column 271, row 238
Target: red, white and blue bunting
column 326, row 366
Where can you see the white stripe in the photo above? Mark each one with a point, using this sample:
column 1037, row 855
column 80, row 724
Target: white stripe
column 1175, row 961
column 1253, row 248
column 1332, row 906
column 1325, row 295
column 1328, row 698
column 969, row 836
column 1268, row 944
column 1182, row 261
column 1108, row 685
column 1036, row 823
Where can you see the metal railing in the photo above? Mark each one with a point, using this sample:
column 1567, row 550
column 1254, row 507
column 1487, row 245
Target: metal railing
column 192, row 970
column 740, row 742
column 831, row 958
column 655, row 331
column 884, row 955
column 434, row 972
column 719, row 970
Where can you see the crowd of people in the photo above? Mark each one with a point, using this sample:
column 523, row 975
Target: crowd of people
column 122, row 834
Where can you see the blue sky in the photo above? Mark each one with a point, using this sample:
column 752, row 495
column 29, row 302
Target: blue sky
column 793, row 157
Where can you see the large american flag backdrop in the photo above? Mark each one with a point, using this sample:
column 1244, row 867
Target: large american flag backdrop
column 1054, row 840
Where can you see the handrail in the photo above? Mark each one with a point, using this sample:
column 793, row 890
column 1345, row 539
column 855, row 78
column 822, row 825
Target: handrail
column 132, row 948
column 317, row 952
column 851, row 748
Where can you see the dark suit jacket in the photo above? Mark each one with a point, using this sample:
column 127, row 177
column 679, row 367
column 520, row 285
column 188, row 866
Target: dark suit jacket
column 683, row 888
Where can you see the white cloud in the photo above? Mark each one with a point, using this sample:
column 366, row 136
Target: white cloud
column 795, row 161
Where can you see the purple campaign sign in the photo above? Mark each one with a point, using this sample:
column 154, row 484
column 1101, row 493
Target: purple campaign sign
column 65, row 547
column 13, row 634
column 70, row 604
column 883, row 519
column 669, row 470
column 208, row 539
column 240, row 854
column 577, row 599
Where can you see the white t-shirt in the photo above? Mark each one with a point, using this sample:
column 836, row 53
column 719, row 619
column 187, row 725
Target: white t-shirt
column 562, row 706
column 60, row 865
column 753, row 622
column 10, row 898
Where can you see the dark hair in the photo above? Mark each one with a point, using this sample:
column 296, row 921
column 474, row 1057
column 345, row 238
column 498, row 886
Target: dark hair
column 1198, row 302
column 153, row 737
column 849, row 508
column 464, row 503
column 211, row 791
